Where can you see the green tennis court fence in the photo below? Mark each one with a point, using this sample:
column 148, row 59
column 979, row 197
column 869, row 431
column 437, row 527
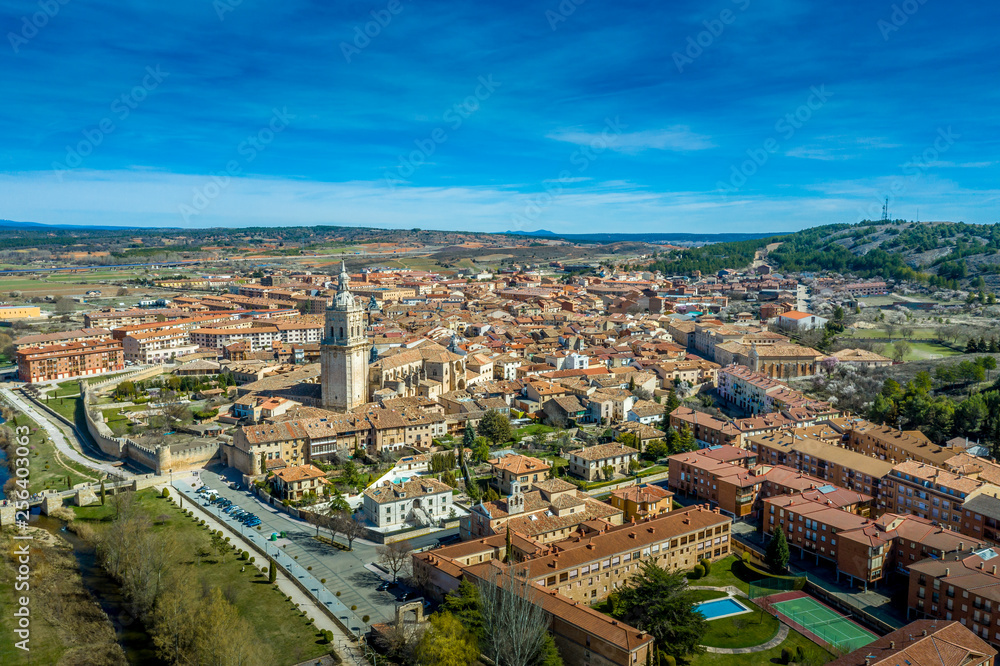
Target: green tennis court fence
column 765, row 587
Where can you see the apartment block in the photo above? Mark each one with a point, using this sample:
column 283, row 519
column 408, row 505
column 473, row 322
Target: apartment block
column 962, row 585
column 70, row 359
column 887, row 443
column 863, row 550
column 830, row 462
column 927, row 491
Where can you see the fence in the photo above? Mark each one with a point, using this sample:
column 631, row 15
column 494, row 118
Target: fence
column 768, row 585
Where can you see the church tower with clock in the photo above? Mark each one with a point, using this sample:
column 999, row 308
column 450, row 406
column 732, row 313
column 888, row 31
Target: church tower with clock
column 344, row 351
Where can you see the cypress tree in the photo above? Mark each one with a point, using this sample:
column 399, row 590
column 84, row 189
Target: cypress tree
column 776, row 555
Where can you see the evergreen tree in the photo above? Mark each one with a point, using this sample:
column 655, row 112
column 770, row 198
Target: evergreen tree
column 548, row 655
column 495, row 427
column 673, row 402
column 468, row 442
column 685, row 439
column 103, row 493
column 659, row 602
column 776, row 555
column 447, row 643
column 272, row 572
column 464, row 603
column 510, row 547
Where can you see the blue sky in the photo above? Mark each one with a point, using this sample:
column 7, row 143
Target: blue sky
column 585, row 115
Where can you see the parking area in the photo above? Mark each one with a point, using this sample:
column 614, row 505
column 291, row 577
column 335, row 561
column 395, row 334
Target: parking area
column 352, row 573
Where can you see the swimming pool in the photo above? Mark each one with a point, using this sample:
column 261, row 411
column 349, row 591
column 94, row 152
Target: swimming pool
column 725, row 607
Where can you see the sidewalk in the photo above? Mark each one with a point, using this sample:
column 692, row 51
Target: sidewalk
column 346, row 644
column 55, row 431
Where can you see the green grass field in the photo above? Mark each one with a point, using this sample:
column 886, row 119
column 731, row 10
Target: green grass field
column 745, row 630
column 923, row 351
column 914, row 334
column 48, row 468
column 276, row 621
column 535, row 429
column 728, row 571
column 814, row 655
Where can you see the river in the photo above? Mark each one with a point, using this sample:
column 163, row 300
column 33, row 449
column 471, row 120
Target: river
column 131, row 632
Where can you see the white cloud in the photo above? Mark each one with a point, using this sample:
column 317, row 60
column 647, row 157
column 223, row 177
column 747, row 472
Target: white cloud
column 678, row 138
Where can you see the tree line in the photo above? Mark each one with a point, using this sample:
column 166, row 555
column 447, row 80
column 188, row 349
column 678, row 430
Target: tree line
column 191, row 622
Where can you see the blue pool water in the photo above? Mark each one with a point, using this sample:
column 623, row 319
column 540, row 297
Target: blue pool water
column 720, row 608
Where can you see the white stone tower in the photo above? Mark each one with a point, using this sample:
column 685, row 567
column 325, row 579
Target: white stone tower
column 344, row 351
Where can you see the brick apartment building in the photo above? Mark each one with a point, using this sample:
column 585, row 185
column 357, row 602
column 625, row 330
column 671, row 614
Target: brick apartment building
column 830, row 462
column 862, row 549
column 67, row 360
column 960, row 585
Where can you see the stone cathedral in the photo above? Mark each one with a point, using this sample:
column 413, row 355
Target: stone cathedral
column 344, row 351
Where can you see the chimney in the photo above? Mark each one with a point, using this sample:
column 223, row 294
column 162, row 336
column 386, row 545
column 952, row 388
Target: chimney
column 923, row 633
column 892, row 645
column 947, row 571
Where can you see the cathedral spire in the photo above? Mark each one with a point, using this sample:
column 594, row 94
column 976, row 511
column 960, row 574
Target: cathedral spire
column 345, row 279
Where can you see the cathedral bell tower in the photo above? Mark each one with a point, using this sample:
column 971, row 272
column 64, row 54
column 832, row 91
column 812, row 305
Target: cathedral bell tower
column 344, row 351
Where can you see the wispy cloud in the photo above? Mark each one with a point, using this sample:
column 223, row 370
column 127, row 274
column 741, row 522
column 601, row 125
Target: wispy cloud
column 678, row 138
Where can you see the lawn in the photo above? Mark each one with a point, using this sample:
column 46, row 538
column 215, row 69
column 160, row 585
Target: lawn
column 276, row 621
column 744, row 630
column 534, row 429
column 814, row 655
column 728, row 571
column 48, row 468
column 65, row 406
column 70, row 388
column 915, row 334
column 119, row 423
column 923, row 351
column 697, row 596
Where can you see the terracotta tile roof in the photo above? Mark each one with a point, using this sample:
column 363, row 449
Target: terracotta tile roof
column 518, row 464
column 922, row 643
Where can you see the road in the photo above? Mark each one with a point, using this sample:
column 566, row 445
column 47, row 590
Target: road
column 350, row 573
column 56, row 433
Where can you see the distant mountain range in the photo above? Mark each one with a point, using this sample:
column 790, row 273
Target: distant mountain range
column 646, row 237
column 78, row 227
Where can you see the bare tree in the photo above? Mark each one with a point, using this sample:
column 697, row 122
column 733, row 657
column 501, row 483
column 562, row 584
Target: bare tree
column 394, row 557
column 348, row 527
column 514, row 622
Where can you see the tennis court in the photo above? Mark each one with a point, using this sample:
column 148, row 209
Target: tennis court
column 823, row 622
